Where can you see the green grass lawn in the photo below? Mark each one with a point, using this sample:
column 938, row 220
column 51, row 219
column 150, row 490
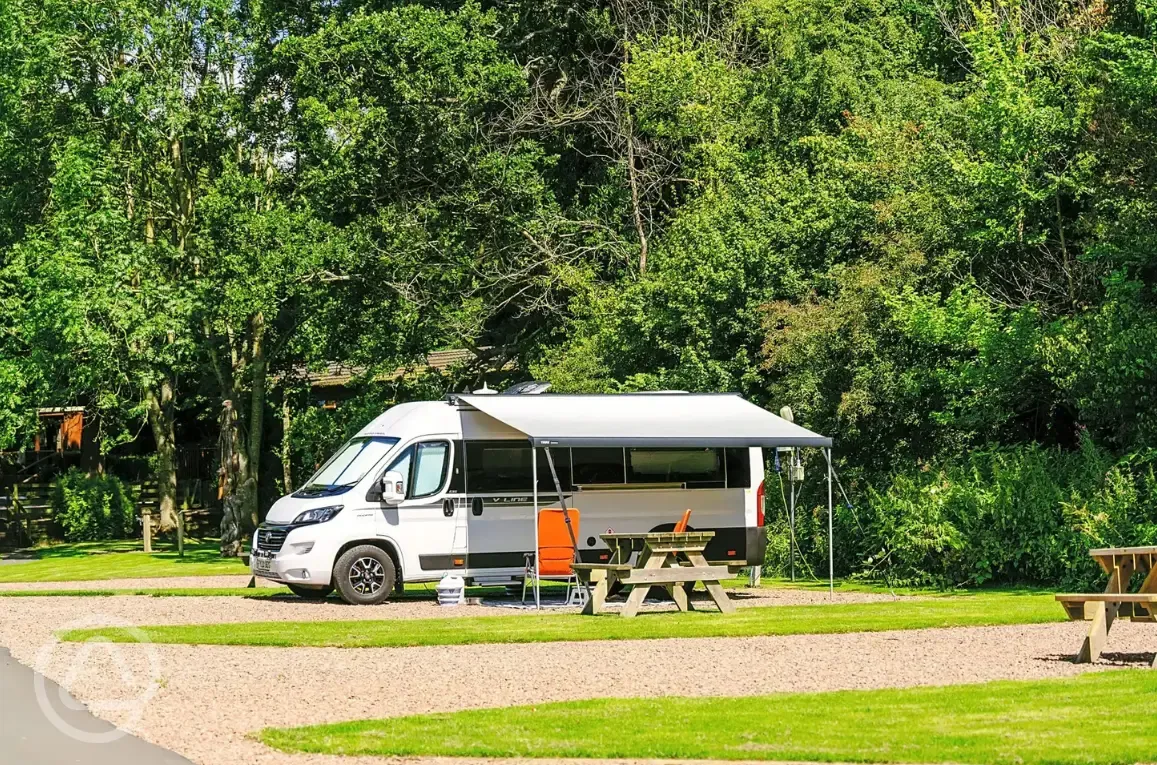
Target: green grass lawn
column 1102, row 718
column 957, row 611
column 255, row 593
column 119, row 560
column 263, row 592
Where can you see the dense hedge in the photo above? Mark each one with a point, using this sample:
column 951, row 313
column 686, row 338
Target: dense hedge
column 1003, row 515
column 90, row 508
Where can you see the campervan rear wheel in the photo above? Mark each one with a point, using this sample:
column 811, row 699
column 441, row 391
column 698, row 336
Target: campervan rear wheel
column 364, row 575
column 310, row 592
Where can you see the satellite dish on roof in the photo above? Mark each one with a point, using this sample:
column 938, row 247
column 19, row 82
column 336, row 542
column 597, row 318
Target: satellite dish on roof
column 530, row 387
column 786, row 414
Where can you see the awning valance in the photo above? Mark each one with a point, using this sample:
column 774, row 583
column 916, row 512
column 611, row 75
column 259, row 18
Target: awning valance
column 643, row 419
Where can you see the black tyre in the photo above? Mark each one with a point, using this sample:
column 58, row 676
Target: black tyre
column 364, row 575
column 310, row 592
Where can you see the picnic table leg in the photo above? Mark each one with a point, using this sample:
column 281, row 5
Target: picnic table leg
column 1102, row 615
column 1148, row 586
column 714, row 588
column 639, row 591
column 599, row 595
column 679, row 595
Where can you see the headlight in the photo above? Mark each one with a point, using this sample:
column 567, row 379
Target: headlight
column 318, row 514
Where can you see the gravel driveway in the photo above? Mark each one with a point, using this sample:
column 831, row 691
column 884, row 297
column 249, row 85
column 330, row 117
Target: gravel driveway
column 211, row 697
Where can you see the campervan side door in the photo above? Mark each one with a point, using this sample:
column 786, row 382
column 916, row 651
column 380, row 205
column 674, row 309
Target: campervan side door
column 425, row 525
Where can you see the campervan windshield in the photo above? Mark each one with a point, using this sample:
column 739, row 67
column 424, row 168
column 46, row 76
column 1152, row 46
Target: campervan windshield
column 348, row 466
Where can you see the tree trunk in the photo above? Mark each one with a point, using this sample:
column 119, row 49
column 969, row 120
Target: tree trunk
column 241, row 452
column 232, row 517
column 256, row 416
column 160, row 413
column 286, row 424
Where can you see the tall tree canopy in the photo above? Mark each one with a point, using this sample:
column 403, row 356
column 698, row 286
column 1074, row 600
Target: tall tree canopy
column 926, row 226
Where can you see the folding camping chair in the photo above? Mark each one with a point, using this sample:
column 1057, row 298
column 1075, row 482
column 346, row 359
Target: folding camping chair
column 556, row 553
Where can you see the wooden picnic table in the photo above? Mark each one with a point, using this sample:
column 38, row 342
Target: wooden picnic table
column 667, row 559
column 1116, row 602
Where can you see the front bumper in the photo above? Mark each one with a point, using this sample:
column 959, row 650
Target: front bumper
column 301, row 560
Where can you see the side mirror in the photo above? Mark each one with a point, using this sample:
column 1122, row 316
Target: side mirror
column 393, row 488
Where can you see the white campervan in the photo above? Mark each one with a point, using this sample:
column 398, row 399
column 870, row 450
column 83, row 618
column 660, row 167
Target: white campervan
column 435, row 487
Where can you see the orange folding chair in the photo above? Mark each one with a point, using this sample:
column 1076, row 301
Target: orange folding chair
column 556, row 551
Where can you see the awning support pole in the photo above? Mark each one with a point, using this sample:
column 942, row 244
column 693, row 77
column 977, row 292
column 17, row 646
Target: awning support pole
column 791, row 488
column 565, row 515
column 831, row 544
column 534, row 493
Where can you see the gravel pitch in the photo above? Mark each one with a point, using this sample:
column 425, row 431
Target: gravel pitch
column 209, row 699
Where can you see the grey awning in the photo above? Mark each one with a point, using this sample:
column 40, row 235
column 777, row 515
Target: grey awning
column 644, row 419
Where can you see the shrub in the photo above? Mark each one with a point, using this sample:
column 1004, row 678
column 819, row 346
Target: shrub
column 1002, row 515
column 1021, row 514
column 91, row 508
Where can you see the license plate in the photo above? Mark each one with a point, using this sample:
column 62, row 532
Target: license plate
column 262, row 564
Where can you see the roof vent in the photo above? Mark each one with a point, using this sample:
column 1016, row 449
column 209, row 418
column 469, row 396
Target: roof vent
column 527, row 388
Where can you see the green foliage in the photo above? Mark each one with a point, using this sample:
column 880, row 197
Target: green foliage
column 92, row 508
column 926, row 227
column 1024, row 514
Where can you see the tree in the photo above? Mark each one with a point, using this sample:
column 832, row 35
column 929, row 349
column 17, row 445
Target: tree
column 265, row 271
column 133, row 129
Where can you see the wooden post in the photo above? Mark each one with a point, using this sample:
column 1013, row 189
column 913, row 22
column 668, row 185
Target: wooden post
column 19, row 515
column 181, row 527
column 147, row 528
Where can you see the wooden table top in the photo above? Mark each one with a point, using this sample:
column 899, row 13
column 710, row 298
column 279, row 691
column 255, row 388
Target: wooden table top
column 1112, row 552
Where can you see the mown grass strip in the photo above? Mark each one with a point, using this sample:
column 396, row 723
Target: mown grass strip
column 1103, row 718
column 903, row 614
column 256, row 593
column 92, row 561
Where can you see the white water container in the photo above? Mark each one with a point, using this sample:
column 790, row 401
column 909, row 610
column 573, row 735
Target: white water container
column 451, row 590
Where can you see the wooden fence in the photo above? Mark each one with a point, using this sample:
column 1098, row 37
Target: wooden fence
column 26, row 509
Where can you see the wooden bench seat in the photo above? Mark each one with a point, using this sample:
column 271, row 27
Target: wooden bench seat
column 1095, row 607
column 733, row 566
column 1108, row 597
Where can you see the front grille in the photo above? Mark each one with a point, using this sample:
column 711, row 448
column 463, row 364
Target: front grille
column 271, row 539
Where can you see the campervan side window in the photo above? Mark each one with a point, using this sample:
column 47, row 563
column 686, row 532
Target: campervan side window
column 738, row 468
column 504, row 466
column 697, row 468
column 599, row 465
column 429, row 468
column 497, row 466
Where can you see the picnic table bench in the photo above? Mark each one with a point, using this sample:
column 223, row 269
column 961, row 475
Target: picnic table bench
column 667, row 559
column 1116, row 602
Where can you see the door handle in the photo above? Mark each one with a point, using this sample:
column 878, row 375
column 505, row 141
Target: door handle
column 476, row 506
column 448, row 508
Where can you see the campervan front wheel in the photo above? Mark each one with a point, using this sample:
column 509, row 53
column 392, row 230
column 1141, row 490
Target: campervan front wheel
column 364, row 575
